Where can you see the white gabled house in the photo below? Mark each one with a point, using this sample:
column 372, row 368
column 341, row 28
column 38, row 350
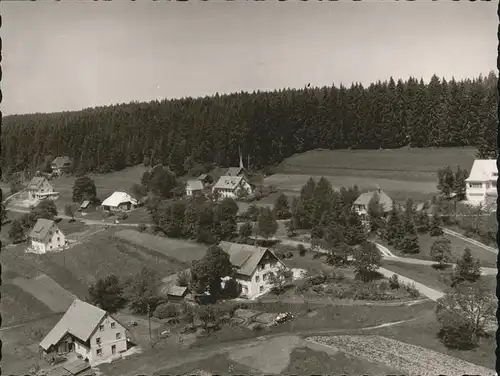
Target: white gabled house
column 253, row 266
column 119, row 202
column 46, row 237
column 231, row 186
column 86, row 330
column 61, row 165
column 362, row 202
column 482, row 181
column 194, row 187
column 39, row 188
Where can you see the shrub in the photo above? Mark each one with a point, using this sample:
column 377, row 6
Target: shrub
column 318, row 279
column 318, row 289
column 302, row 285
column 280, row 255
column 458, row 335
column 165, row 311
column 411, row 290
column 124, row 216
column 142, row 227
column 394, row 282
column 289, row 254
column 383, row 286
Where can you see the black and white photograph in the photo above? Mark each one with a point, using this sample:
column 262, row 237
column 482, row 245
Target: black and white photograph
column 202, row 188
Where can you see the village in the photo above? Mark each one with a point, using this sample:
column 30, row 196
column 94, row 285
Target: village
column 261, row 270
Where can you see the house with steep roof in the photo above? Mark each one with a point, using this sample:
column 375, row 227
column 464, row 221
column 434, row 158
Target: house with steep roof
column 362, row 202
column 39, row 188
column 61, row 165
column 119, row 202
column 253, row 267
column 86, row 330
column 481, row 185
column 194, row 187
column 231, row 186
column 46, row 237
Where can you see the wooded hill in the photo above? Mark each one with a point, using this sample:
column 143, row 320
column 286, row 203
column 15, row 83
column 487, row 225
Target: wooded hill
column 269, row 126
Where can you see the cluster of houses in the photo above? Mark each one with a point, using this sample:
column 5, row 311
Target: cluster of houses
column 234, row 183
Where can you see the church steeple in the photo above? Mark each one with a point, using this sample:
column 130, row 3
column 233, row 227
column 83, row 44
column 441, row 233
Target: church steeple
column 241, row 158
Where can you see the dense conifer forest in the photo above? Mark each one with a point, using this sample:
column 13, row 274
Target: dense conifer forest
column 268, row 126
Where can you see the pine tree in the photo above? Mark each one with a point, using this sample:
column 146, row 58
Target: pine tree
column 409, row 243
column 446, row 181
column 282, row 207
column 394, row 233
column 468, row 268
column 441, row 251
column 266, row 224
column 422, row 222
column 435, row 229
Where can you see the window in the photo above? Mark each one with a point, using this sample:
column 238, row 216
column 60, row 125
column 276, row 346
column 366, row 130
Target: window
column 495, row 174
column 58, row 238
column 101, row 328
column 99, row 352
column 98, row 340
column 113, row 349
column 262, row 266
column 261, row 288
column 475, row 185
column 113, row 325
column 265, row 276
column 257, row 279
column 118, row 335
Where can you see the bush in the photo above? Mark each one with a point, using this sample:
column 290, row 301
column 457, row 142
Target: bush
column 383, row 286
column 124, row 216
column 318, row 289
column 318, row 280
column 302, row 285
column 369, row 291
column 142, row 227
column 394, row 282
column 411, row 290
column 289, row 255
column 280, row 255
column 459, row 336
column 165, row 311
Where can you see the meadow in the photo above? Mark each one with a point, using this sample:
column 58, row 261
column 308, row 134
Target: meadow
column 401, row 173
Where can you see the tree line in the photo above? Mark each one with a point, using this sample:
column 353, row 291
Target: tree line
column 268, row 126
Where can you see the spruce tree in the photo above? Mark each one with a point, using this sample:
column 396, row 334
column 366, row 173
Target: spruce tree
column 409, row 243
column 435, row 227
column 393, row 232
column 468, row 268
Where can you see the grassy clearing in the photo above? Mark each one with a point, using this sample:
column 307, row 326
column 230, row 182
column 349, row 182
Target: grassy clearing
column 20, row 306
column 420, row 164
column 20, row 344
column 341, row 317
column 181, row 250
column 401, row 173
column 215, row 365
column 423, row 332
column 305, row 361
column 98, row 256
column 487, row 258
column 427, row 275
column 47, row 291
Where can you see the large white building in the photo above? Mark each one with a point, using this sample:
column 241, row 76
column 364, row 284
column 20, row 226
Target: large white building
column 119, row 202
column 253, row 267
column 86, row 330
column 39, row 188
column 231, row 186
column 482, row 181
column 46, row 237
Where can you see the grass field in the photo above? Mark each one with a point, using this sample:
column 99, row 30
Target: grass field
column 423, row 332
column 98, row 256
column 429, row 276
column 19, row 306
column 401, row 173
column 20, row 344
column 181, row 250
column 487, row 258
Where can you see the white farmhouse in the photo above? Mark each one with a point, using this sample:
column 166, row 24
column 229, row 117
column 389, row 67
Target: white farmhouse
column 253, row 265
column 194, row 187
column 231, row 186
column 86, row 330
column 46, row 237
column 362, row 202
column 482, row 181
column 39, row 188
column 119, row 202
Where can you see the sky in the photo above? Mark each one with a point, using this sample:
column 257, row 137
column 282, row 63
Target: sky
column 59, row 56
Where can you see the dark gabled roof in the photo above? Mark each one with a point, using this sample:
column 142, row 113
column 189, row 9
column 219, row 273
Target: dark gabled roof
column 245, row 257
column 41, row 229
